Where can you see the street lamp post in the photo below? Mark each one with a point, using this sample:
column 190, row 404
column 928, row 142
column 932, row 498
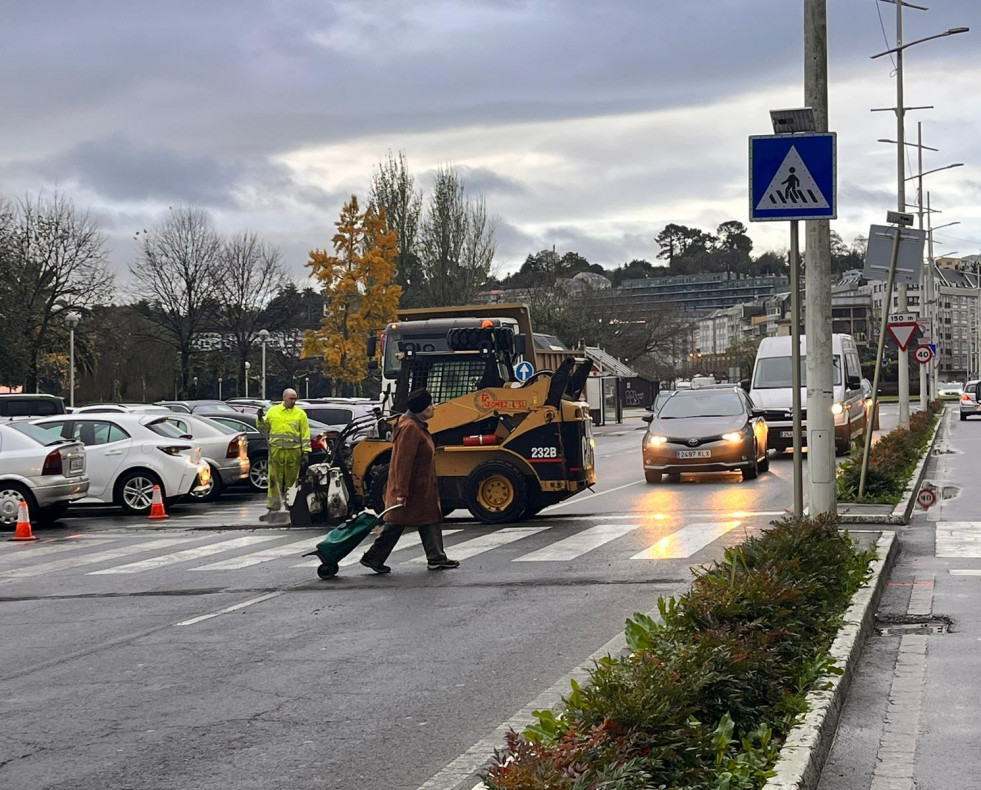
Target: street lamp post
column 264, row 338
column 903, row 305
column 247, row 366
column 72, row 320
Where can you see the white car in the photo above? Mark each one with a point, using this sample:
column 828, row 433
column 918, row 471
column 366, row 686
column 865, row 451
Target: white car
column 225, row 449
column 45, row 472
column 125, row 408
column 128, row 454
column 950, row 389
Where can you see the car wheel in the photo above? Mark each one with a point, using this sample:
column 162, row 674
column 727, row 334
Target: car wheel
column 53, row 512
column 765, row 463
column 843, row 447
column 11, row 495
column 674, row 477
column 259, row 474
column 652, row 477
column 496, row 492
column 963, row 417
column 134, row 491
column 211, row 491
column 752, row 470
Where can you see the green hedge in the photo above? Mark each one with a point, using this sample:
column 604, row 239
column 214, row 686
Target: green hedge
column 891, row 460
column 704, row 699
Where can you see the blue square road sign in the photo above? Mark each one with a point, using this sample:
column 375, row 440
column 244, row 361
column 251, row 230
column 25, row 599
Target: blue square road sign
column 793, row 176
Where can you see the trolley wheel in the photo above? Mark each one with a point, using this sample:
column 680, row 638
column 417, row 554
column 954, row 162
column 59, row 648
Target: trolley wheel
column 327, row 570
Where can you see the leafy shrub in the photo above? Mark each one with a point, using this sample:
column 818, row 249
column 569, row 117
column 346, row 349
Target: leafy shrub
column 891, row 460
column 702, row 699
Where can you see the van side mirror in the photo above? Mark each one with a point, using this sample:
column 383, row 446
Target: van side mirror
column 372, row 363
column 372, row 346
column 853, row 382
column 521, row 345
column 745, row 385
column 648, row 418
column 759, row 412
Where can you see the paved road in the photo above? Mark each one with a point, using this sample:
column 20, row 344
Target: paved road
column 198, row 655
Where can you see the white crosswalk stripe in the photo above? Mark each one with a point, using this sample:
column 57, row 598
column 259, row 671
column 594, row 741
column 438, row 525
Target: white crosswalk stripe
column 18, row 551
column 407, row 541
column 92, row 559
column 686, row 541
column 959, row 539
column 271, row 553
column 186, row 555
column 492, row 540
column 576, row 545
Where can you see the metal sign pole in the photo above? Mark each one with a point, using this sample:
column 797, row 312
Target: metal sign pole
column 795, row 365
column 886, row 307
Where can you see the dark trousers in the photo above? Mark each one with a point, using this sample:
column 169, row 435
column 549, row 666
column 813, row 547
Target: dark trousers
column 432, row 542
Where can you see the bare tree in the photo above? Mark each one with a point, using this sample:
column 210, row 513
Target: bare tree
column 176, row 274
column 252, row 275
column 456, row 243
column 393, row 188
column 56, row 259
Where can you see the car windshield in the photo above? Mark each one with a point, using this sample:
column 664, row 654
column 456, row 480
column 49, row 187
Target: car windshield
column 775, row 372
column 705, row 404
column 164, row 428
column 38, row 433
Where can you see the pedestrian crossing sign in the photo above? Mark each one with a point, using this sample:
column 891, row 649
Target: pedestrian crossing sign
column 792, row 176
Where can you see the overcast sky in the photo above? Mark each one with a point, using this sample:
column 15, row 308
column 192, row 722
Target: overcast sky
column 585, row 125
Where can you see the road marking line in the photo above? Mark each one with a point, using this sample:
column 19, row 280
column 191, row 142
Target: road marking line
column 91, row 559
column 264, row 555
column 687, row 515
column 964, row 572
column 19, row 551
column 184, row 556
column 574, row 500
column 576, row 545
column 492, row 540
column 686, row 541
column 228, row 609
column 958, row 539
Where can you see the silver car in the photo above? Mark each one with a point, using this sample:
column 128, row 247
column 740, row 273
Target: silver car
column 969, row 400
column 225, row 449
column 46, row 473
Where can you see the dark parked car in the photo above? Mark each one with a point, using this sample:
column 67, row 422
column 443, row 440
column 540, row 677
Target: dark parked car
column 259, row 445
column 22, row 405
column 705, row 430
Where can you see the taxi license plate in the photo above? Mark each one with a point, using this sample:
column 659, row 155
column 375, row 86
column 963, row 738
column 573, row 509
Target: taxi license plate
column 786, row 434
column 694, row 453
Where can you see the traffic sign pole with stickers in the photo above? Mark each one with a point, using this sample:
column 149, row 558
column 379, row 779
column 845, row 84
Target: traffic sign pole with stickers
column 899, row 220
column 792, row 177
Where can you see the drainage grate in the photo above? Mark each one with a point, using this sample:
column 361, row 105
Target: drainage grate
column 911, row 625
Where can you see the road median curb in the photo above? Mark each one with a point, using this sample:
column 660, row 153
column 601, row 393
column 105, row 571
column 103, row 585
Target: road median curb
column 902, row 512
column 807, row 746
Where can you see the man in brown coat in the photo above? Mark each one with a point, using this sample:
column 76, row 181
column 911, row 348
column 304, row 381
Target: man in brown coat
column 412, row 483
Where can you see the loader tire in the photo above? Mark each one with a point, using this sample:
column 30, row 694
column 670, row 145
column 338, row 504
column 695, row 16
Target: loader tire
column 496, row 493
column 378, row 481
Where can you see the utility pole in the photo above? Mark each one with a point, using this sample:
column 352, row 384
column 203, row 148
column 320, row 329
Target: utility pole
column 903, row 305
column 817, row 318
column 925, row 308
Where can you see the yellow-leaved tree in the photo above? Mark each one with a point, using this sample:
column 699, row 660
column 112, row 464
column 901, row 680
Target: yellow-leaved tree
column 357, row 285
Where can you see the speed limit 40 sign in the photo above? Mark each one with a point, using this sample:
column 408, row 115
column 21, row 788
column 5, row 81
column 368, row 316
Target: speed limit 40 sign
column 923, row 354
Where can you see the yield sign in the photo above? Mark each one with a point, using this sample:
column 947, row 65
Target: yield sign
column 902, row 333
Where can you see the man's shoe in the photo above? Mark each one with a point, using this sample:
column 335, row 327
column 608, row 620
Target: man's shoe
column 377, row 567
column 269, row 515
column 443, row 564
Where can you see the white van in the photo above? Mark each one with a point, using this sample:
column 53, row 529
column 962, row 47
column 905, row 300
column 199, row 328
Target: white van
column 771, row 391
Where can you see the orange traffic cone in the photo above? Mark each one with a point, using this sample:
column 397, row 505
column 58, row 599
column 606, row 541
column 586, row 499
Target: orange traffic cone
column 157, row 505
column 23, row 523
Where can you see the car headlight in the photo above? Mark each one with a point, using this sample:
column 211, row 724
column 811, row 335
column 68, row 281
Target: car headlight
column 837, row 409
column 734, row 438
column 657, row 441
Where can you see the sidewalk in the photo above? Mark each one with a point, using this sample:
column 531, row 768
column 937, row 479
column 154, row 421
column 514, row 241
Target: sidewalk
column 912, row 718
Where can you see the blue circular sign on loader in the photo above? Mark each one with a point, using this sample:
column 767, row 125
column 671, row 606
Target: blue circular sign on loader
column 524, row 371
